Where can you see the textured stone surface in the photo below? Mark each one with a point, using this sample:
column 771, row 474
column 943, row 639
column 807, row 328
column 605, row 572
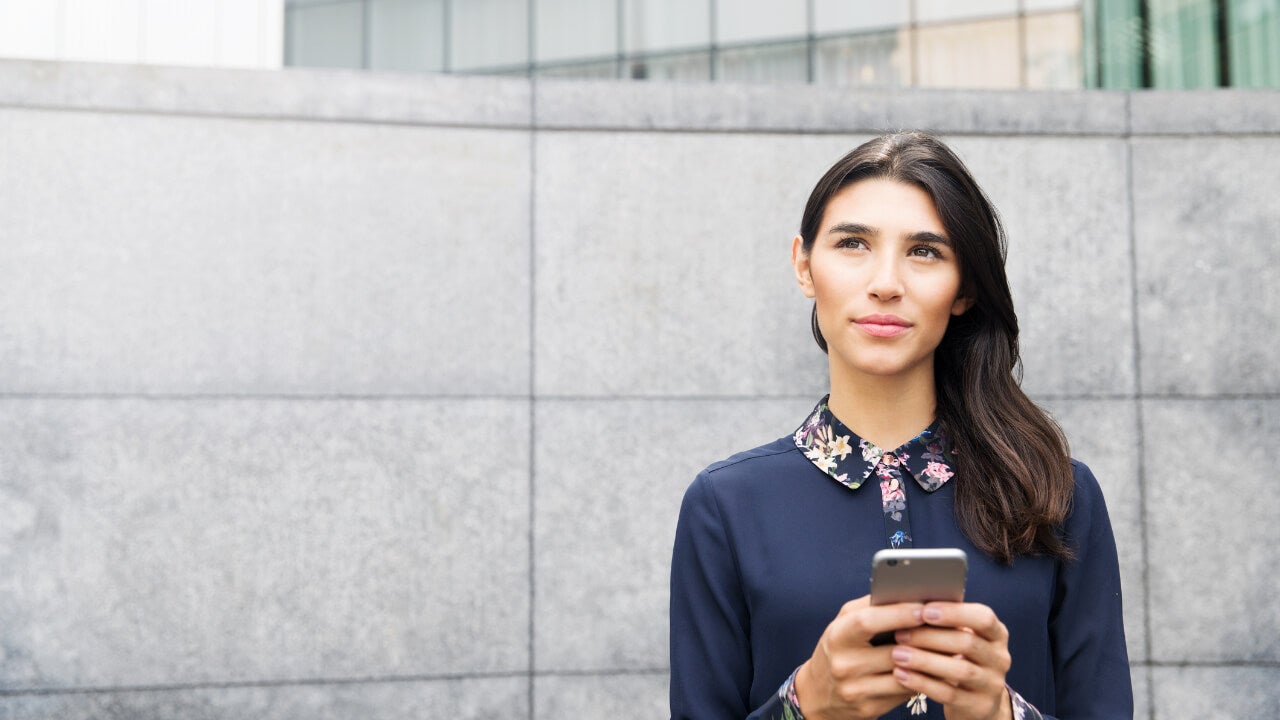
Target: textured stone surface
column 1063, row 204
column 1216, row 693
column 1200, row 112
column 310, row 94
column 610, row 478
column 478, row 698
column 663, row 263
column 1212, row 510
column 1141, row 676
column 1104, row 435
column 317, row 233
column 617, row 697
column 159, row 542
column 152, row 254
column 808, row 108
column 1208, row 265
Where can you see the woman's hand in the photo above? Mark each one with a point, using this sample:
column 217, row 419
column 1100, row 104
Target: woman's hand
column 847, row 678
column 959, row 659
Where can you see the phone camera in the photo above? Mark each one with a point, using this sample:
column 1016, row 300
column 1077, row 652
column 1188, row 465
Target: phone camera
column 893, row 563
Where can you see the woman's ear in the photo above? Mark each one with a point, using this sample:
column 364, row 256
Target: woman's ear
column 800, row 261
column 961, row 305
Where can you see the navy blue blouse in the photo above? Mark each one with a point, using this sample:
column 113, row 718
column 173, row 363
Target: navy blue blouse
column 773, row 541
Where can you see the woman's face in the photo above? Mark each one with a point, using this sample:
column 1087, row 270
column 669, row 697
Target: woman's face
column 885, row 278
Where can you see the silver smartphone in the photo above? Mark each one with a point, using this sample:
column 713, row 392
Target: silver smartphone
column 917, row 575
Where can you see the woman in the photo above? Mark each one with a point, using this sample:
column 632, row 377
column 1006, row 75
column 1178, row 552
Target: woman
column 904, row 257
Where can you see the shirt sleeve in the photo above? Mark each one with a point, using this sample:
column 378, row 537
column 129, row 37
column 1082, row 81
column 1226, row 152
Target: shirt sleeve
column 1086, row 623
column 711, row 670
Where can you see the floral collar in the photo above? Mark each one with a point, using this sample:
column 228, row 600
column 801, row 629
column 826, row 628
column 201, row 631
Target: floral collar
column 826, row 442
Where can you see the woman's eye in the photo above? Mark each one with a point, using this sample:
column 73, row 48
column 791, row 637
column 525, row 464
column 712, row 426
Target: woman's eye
column 927, row 251
column 851, row 243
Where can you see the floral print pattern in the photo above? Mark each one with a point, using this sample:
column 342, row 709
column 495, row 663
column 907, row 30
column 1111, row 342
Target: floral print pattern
column 827, row 443
column 788, row 700
column 1023, row 710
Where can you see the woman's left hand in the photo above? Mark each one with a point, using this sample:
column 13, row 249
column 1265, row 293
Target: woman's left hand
column 958, row 658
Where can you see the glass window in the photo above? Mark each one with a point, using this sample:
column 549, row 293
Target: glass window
column 1053, row 51
column 575, row 29
column 179, row 33
column 740, row 21
column 1184, row 46
column 1253, row 36
column 30, row 29
column 843, row 16
column 982, row 54
column 99, row 31
column 692, row 67
column 773, row 63
column 928, row 11
column 870, row 60
column 1118, row 37
column 406, row 35
column 598, row 70
column 667, row 25
column 328, row 35
column 1043, row 5
column 488, row 34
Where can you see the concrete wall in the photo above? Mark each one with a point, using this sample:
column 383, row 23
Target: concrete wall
column 338, row 395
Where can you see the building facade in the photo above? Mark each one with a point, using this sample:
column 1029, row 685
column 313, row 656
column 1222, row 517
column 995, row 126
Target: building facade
column 207, row 33
column 1001, row 44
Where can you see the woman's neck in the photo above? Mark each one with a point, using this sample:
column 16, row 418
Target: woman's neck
column 886, row 411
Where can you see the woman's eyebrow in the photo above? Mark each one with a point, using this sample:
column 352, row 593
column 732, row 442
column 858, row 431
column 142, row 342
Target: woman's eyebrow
column 852, row 229
column 860, row 229
column 929, row 237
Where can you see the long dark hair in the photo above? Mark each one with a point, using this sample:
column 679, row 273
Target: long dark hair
column 1013, row 481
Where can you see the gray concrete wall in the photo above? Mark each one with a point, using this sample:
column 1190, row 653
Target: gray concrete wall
column 334, row 395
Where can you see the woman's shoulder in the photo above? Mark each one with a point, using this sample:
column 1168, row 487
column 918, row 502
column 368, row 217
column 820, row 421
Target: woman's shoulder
column 1086, row 484
column 1088, row 505
column 761, row 462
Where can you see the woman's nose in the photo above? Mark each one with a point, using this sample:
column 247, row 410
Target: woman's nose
column 886, row 279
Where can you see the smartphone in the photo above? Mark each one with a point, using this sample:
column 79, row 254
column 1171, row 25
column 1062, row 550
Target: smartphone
column 917, row 575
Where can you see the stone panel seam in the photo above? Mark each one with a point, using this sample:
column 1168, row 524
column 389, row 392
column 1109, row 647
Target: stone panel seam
column 524, row 397
column 533, row 390
column 854, row 130
column 606, row 672
column 321, row 682
column 851, row 130
column 735, row 130
column 201, row 397
column 108, row 110
column 1139, row 420
column 239, row 684
column 1212, row 664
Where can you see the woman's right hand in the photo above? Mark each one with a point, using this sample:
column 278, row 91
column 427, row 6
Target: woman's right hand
column 848, row 678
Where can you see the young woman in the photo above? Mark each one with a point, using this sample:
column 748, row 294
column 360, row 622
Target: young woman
column 925, row 440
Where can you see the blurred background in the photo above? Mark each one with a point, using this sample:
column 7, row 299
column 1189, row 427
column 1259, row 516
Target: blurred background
column 355, row 354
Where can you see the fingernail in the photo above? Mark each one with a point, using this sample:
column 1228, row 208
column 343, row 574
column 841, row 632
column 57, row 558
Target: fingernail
column 932, row 614
column 915, row 614
column 902, row 636
column 901, row 675
column 901, row 654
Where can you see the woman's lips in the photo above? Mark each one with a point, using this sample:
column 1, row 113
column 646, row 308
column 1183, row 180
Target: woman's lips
column 883, row 325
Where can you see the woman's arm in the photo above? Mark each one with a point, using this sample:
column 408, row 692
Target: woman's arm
column 1086, row 624
column 711, row 665
column 710, row 649
column 965, row 670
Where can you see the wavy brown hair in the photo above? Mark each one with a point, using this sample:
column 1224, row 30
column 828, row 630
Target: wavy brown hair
column 1013, row 477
